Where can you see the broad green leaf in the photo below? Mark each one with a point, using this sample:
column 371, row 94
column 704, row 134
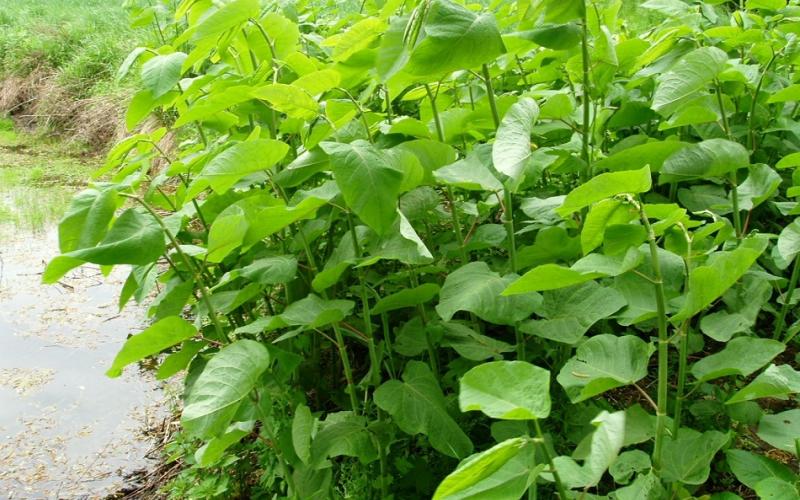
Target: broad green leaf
column 290, row 100
column 594, row 265
column 711, row 158
column 239, row 160
column 342, row 434
column 789, row 241
column 774, row 382
column 790, row 93
column 211, row 452
column 303, row 424
column 651, row 153
column 154, row 339
column 645, row 487
column 552, row 36
column 604, row 362
column 87, row 218
column 134, row 238
column 410, row 297
column 265, row 271
column 417, row 406
column 629, row 463
column 561, row 11
column 179, row 360
column 306, row 165
column 568, row 313
column 750, row 468
column 708, row 282
column 470, row 174
column 776, row 489
column 228, row 17
column 781, row 430
column 606, row 442
column 468, row 343
column 314, row 312
column 765, row 4
column 318, row 82
column 503, row 471
column 215, row 102
column 227, row 233
column 741, row 356
column 401, row 243
column 604, row 213
column 512, row 146
column 356, row 38
column 369, row 183
column 508, row 390
column 761, row 184
column 477, row 289
column 690, row 75
column 688, row 458
column 606, row 186
column 454, row 38
column 162, row 73
column 227, row 379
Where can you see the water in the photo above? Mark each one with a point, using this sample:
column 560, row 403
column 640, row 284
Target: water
column 66, row 430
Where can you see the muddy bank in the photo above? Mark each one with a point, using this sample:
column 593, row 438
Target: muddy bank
column 66, row 430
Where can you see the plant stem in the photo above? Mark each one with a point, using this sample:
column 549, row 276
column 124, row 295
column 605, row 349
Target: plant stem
column 508, row 211
column 751, row 135
column 737, row 219
column 663, row 342
column 188, row 263
column 562, row 492
column 780, row 324
column 682, row 365
column 348, row 371
column 487, row 81
column 586, row 92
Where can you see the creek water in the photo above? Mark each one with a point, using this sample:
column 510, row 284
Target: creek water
column 66, row 430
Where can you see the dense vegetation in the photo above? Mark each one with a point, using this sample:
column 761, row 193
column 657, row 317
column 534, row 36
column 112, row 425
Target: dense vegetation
column 464, row 250
column 58, row 64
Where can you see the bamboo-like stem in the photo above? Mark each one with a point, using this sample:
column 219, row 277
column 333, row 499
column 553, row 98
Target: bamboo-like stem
column 737, row 217
column 586, row 84
column 196, row 274
column 487, row 81
column 683, row 348
column 562, row 492
column 663, row 342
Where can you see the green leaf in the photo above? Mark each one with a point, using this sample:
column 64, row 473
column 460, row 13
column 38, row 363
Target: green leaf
column 452, row 38
column 211, row 452
column 645, row 487
column 293, row 101
column 161, row 335
column 314, row 312
column 688, row 458
column 417, row 406
column 369, row 183
column 606, row 186
column 468, row 343
column 512, row 146
column 711, row 158
column 761, row 184
column 358, row 37
column 690, row 75
column 179, row 360
column 629, row 463
column 750, row 468
column 741, row 356
column 134, row 238
column 604, row 213
column 561, row 11
column 477, row 289
column 774, row 382
column 470, row 174
column 342, row 434
column 790, row 93
column 781, row 430
column 162, row 73
column 776, row 489
column 708, row 282
column 306, row 165
column 552, row 36
column 508, row 390
column 651, row 153
column 228, row 17
column 227, row 233
column 410, row 297
column 303, row 425
column 227, row 379
column 239, row 160
column 87, row 218
column 569, row 312
column 607, row 441
column 503, row 471
column 788, row 245
column 605, row 362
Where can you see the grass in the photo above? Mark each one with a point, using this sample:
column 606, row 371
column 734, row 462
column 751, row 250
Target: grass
column 82, row 40
column 37, row 179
